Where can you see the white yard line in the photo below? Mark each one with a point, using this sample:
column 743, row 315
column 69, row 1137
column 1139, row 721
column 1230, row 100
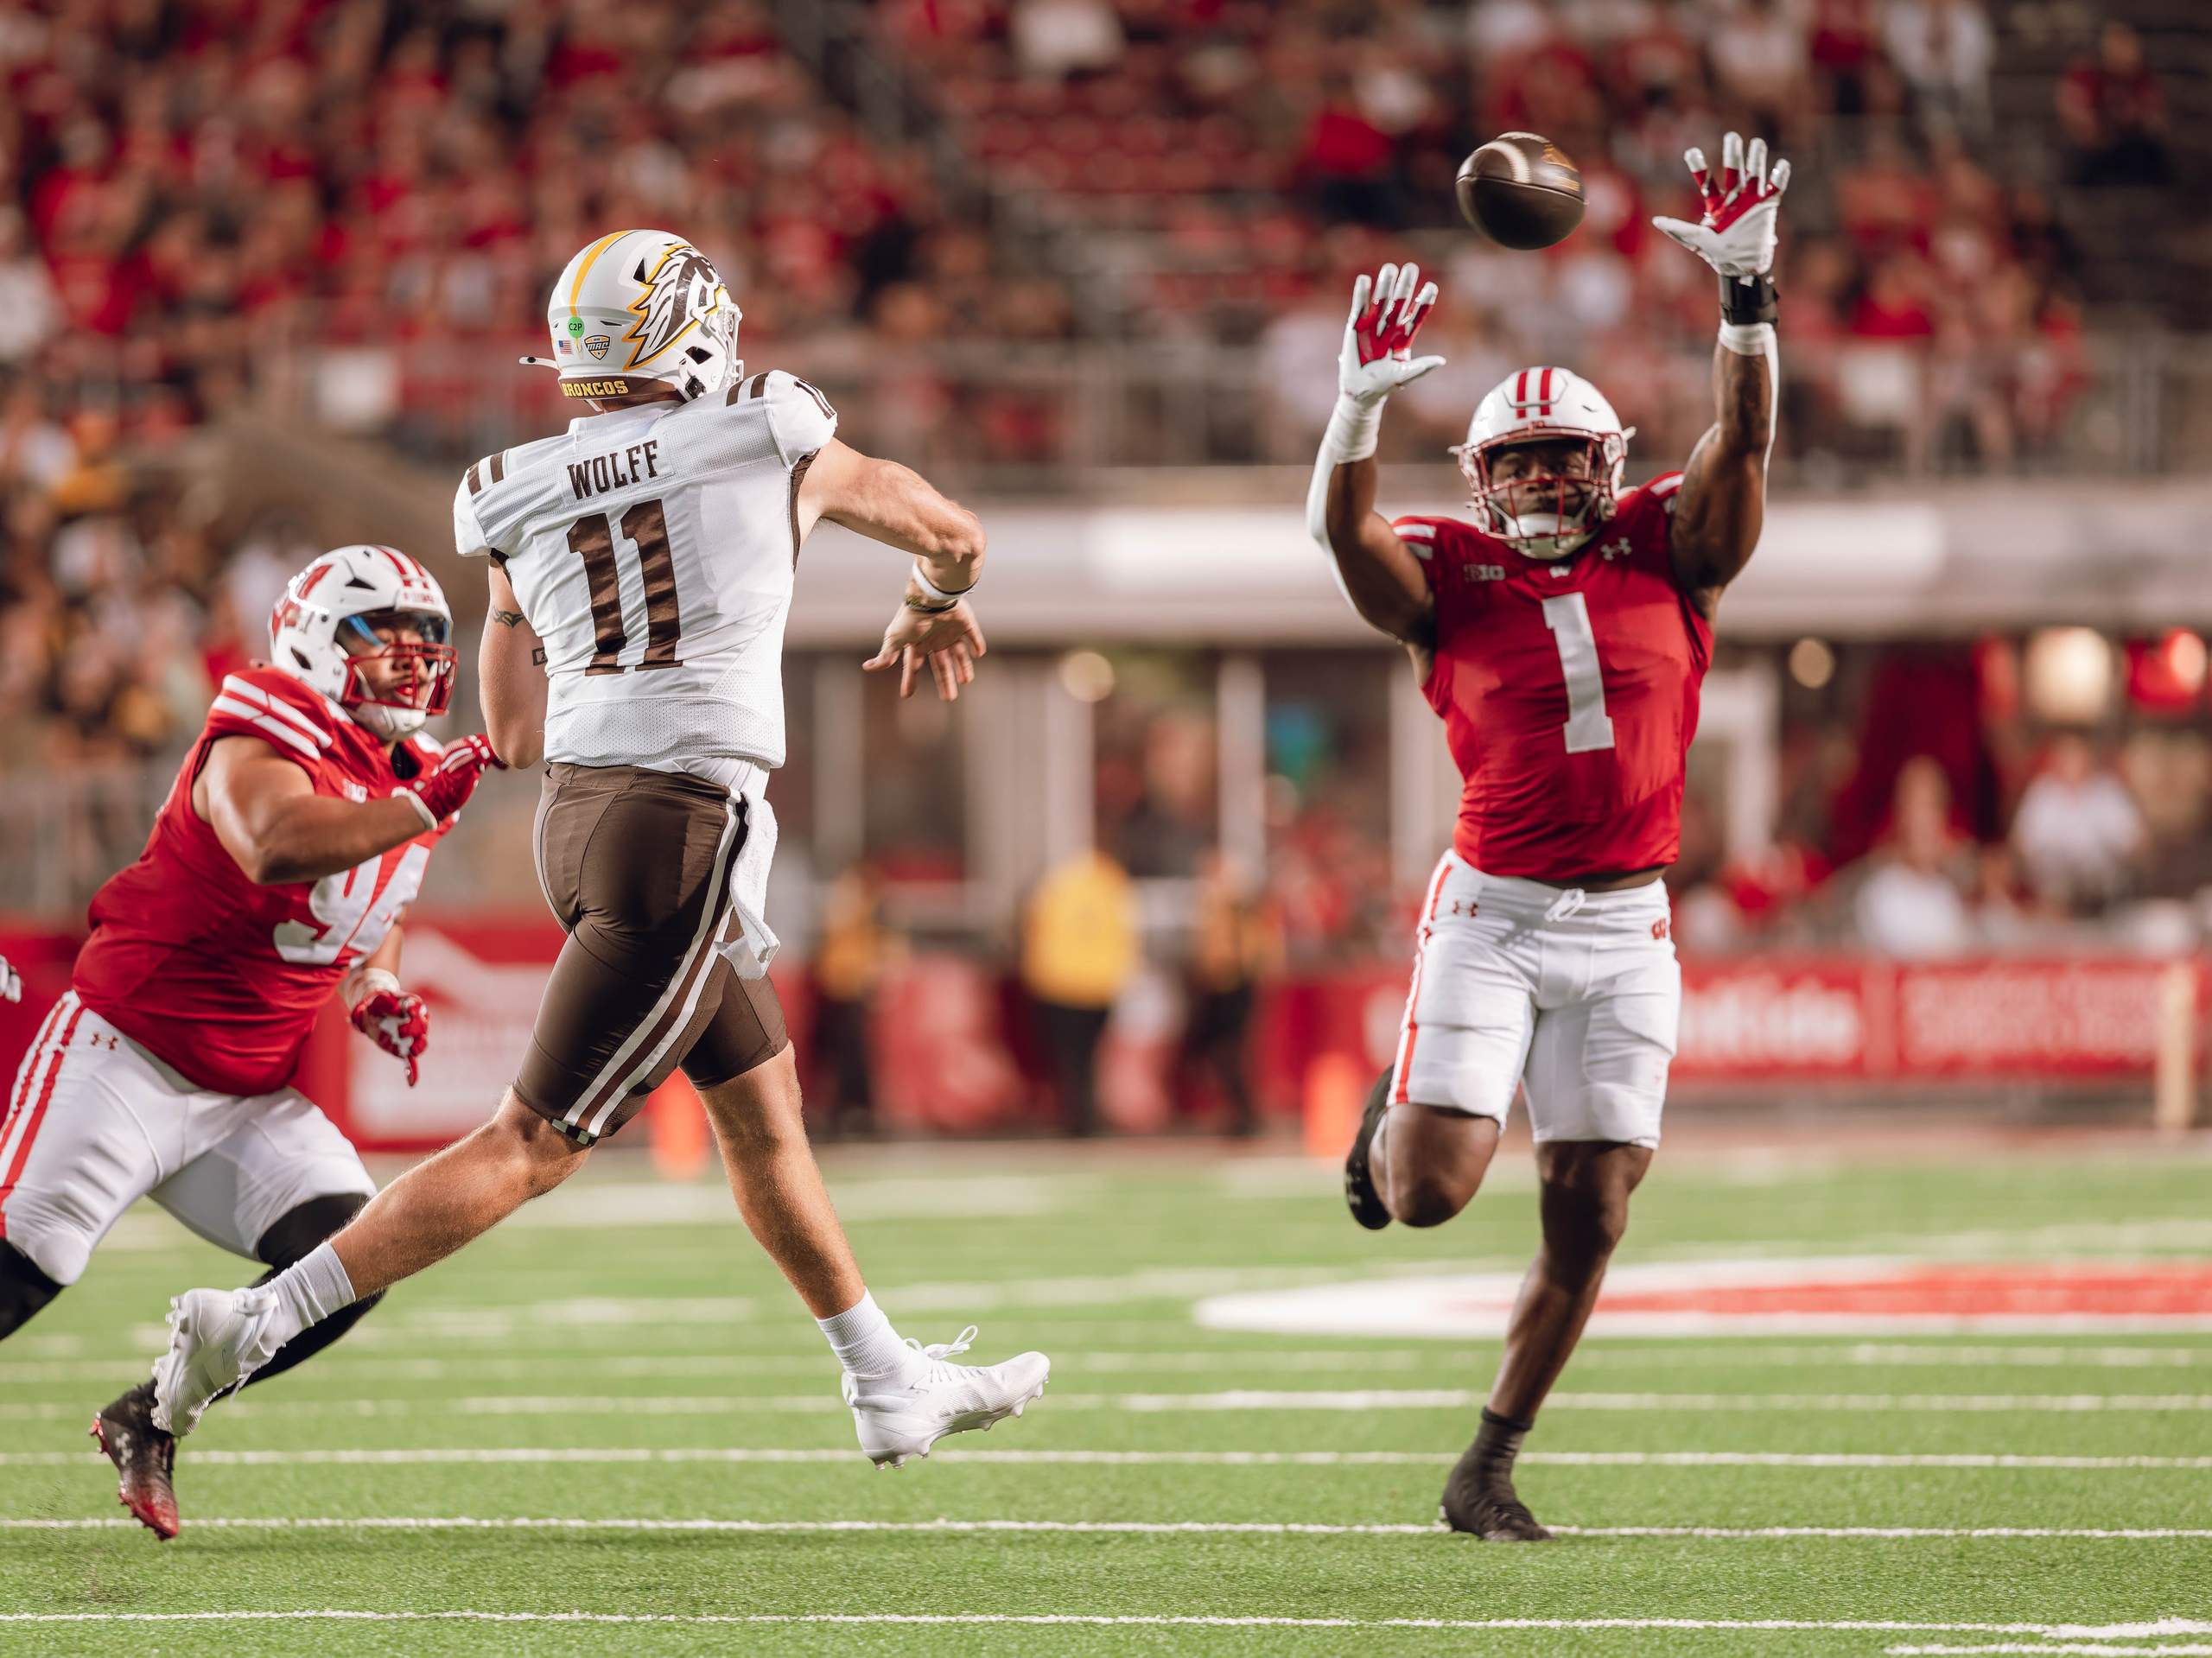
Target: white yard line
column 1115, row 1527
column 815, row 1362
column 1241, row 1400
column 2071, row 1649
column 818, row 1362
column 1729, row 1625
column 435, row 1455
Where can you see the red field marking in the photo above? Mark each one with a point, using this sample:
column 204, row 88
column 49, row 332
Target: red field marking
column 2027, row 1290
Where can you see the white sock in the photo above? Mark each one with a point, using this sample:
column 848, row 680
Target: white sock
column 864, row 1341
column 310, row 1290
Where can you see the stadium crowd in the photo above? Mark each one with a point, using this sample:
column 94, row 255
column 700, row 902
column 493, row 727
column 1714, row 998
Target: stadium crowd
column 359, row 205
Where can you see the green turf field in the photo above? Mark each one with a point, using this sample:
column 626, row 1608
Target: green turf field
column 612, row 1409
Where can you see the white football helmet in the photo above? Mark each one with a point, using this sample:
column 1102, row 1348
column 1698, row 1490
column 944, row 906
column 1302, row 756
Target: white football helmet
column 639, row 310
column 324, row 628
column 1539, row 405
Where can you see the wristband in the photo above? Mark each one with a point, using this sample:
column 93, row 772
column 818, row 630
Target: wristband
column 1748, row 303
column 364, row 982
column 946, row 598
column 421, row 809
column 1355, row 427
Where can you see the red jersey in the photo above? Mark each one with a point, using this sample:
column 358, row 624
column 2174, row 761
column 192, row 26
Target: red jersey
column 1568, row 691
column 216, row 975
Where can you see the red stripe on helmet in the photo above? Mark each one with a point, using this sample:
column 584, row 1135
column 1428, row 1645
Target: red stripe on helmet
column 1521, row 390
column 1544, row 396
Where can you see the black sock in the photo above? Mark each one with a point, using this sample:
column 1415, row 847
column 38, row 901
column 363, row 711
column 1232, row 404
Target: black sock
column 1497, row 1444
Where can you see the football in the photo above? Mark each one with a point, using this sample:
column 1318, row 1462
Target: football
column 1520, row 191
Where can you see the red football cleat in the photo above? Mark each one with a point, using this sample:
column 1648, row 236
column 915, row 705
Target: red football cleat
column 144, row 1456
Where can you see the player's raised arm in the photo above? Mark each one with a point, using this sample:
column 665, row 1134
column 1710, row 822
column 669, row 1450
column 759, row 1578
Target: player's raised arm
column 511, row 668
column 1377, row 575
column 1722, row 506
column 898, row 506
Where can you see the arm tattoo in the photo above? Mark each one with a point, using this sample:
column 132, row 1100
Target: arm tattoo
column 507, row 618
column 537, row 655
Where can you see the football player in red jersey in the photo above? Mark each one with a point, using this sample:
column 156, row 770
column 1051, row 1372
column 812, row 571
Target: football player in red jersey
column 1562, row 636
column 290, row 844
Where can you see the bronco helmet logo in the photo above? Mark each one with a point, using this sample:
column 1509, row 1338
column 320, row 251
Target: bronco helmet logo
column 679, row 291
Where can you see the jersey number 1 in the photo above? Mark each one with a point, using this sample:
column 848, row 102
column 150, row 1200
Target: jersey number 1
column 1588, row 726
column 592, row 539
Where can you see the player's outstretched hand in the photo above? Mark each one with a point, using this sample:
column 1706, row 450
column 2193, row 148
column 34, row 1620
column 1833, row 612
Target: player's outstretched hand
column 950, row 641
column 445, row 788
column 396, row 1020
column 11, row 982
column 1387, row 310
column 1735, row 233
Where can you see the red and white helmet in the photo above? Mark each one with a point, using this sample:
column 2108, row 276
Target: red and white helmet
column 639, row 310
column 324, row 629
column 1544, row 405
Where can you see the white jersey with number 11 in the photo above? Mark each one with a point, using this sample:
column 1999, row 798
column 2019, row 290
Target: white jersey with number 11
column 651, row 549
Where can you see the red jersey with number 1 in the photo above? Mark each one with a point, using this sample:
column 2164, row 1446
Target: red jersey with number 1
column 1568, row 691
column 216, row 975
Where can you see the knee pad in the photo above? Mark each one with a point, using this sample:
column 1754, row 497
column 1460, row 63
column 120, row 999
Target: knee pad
column 24, row 1290
column 296, row 1233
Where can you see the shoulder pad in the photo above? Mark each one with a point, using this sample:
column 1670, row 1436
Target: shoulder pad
column 269, row 704
column 470, row 536
column 800, row 416
column 1419, row 534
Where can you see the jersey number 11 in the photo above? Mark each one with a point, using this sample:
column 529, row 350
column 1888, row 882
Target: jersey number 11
column 592, row 539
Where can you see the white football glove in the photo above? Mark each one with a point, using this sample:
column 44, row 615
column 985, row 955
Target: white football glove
column 1736, row 233
column 11, row 982
column 1387, row 311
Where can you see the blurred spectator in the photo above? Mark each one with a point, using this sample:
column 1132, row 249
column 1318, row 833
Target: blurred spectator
column 1943, row 50
column 2078, row 836
column 28, row 307
column 1910, row 906
column 855, row 951
column 2115, row 113
column 1054, row 39
column 1237, row 943
column 1078, row 953
column 1759, row 62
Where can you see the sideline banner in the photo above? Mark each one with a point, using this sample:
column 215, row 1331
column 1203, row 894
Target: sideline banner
column 950, row 1050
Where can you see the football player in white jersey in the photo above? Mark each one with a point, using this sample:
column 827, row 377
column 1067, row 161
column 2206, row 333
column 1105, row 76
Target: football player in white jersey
column 640, row 572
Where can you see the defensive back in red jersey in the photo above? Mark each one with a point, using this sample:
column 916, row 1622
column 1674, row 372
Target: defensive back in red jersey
column 1568, row 691
column 219, row 977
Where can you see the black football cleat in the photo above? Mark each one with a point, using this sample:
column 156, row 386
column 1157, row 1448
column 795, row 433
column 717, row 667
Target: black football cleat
column 145, row 1457
column 1360, row 1195
column 1485, row 1506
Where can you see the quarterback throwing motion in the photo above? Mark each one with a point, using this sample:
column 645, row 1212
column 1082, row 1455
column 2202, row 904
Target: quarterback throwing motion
column 278, row 869
column 1562, row 636
column 640, row 570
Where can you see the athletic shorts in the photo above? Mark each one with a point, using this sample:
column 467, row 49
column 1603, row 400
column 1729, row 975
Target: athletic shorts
column 637, row 866
column 95, row 1122
column 1576, row 993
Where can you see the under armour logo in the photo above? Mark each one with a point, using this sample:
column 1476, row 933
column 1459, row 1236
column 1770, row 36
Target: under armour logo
column 1463, row 906
column 1618, row 547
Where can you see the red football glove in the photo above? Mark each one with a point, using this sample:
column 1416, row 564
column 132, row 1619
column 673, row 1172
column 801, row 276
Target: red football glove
column 1736, row 231
column 444, row 790
column 395, row 1019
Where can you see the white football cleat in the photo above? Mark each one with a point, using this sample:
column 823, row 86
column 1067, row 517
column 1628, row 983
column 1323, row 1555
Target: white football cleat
column 899, row 1417
column 216, row 1339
